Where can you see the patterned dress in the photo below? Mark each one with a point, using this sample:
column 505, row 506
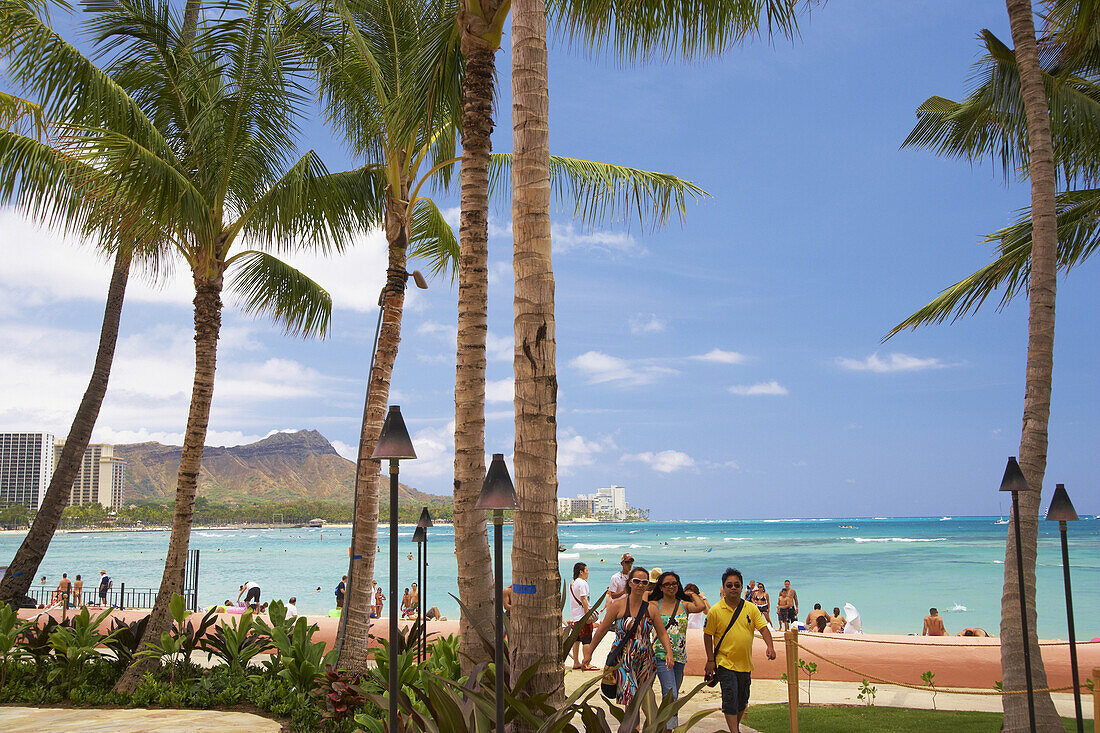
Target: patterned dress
column 637, row 665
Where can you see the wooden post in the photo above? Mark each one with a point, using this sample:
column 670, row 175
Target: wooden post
column 1096, row 695
column 790, row 649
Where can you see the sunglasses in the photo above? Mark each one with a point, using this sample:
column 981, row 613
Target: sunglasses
column 669, row 584
column 639, row 581
column 733, row 585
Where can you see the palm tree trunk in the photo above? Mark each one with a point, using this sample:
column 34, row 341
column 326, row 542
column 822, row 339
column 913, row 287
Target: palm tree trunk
column 355, row 619
column 475, row 580
column 208, row 308
column 24, row 566
column 1040, row 367
column 536, row 617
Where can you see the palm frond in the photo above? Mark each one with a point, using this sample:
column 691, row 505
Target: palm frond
column 604, row 192
column 1078, row 238
column 22, row 116
column 642, row 30
column 268, row 286
column 432, row 239
column 310, row 205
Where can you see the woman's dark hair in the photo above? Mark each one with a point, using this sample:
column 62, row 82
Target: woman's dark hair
column 731, row 571
column 578, row 568
column 657, row 593
column 821, row 623
column 691, row 587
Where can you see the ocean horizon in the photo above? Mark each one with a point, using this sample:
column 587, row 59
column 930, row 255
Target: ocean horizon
column 892, row 569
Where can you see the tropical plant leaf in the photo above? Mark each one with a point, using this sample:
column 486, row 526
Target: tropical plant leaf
column 432, row 239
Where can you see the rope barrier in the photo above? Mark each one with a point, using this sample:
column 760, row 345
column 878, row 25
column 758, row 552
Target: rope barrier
column 925, row 688
column 952, row 645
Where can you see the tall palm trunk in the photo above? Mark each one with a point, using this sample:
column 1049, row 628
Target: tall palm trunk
column 536, row 624
column 24, row 567
column 1040, row 367
column 475, row 580
column 355, row 619
column 208, row 319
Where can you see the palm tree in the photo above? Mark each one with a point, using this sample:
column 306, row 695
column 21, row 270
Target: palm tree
column 635, row 31
column 388, row 74
column 199, row 140
column 1018, row 113
column 35, row 174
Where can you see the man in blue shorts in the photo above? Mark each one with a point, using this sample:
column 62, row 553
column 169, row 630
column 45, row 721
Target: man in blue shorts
column 727, row 639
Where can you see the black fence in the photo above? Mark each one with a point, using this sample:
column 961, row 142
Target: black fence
column 120, row 596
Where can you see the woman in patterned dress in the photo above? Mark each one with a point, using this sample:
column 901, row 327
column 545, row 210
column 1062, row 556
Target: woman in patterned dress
column 637, row 663
column 674, row 604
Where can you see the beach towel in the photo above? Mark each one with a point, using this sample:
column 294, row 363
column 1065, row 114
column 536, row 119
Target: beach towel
column 855, row 623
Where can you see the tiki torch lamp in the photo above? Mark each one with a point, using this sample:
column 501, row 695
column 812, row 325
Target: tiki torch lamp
column 394, row 444
column 498, row 494
column 1015, row 482
column 420, row 537
column 422, row 524
column 1061, row 510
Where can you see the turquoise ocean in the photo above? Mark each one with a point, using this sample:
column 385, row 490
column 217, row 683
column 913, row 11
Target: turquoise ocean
column 891, row 569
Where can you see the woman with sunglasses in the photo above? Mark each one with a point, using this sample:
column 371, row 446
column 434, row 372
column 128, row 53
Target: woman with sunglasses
column 637, row 664
column 674, row 604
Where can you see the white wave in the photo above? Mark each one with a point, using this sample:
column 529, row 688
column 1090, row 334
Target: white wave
column 636, row 547
column 944, row 519
column 899, row 539
column 569, row 555
column 700, row 538
column 582, row 546
column 878, row 517
column 209, row 534
column 734, row 539
column 253, row 535
column 999, row 562
column 633, row 531
column 957, row 607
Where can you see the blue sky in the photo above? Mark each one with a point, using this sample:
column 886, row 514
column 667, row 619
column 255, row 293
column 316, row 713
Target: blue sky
column 730, row 367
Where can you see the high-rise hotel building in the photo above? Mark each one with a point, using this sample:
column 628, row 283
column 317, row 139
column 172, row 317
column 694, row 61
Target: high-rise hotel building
column 28, row 460
column 26, row 464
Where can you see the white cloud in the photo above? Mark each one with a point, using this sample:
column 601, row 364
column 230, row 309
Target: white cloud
column 500, row 274
column 566, row 238
column 576, row 450
column 499, row 348
column 647, row 323
column 760, row 388
column 446, row 332
column 665, row 461
column 892, row 363
column 718, row 356
column 599, row 368
column 350, row 452
column 500, row 390
column 435, row 456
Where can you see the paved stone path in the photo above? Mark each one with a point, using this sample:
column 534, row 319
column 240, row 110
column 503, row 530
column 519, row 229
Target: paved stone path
column 36, row 720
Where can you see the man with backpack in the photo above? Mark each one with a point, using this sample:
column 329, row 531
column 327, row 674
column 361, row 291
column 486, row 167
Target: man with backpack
column 727, row 638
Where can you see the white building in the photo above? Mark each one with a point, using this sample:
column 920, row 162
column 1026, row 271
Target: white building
column 100, row 478
column 611, row 502
column 26, row 464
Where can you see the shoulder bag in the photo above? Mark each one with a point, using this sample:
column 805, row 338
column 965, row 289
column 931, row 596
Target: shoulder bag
column 609, row 685
column 713, row 679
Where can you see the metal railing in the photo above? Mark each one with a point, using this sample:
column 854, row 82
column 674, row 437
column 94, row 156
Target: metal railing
column 120, row 597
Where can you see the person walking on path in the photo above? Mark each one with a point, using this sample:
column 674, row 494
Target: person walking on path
column 763, row 601
column 785, row 606
column 617, row 588
column 695, row 620
column 105, row 585
column 674, row 603
column 637, row 664
column 341, row 588
column 727, row 640
column 578, row 607
column 794, row 596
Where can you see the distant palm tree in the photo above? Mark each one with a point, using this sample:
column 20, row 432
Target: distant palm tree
column 199, row 139
column 1040, row 121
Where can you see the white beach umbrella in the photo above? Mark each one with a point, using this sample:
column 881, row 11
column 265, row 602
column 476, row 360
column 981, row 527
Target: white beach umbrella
column 855, row 623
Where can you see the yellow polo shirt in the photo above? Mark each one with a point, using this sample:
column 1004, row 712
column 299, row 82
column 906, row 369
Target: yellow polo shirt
column 736, row 651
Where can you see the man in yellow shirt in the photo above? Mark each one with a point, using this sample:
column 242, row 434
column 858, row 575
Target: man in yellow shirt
column 729, row 653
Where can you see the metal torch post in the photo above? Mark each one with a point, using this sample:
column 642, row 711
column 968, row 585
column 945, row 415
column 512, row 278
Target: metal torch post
column 419, row 588
column 498, row 597
column 423, row 643
column 1023, row 611
column 1072, row 633
column 393, row 595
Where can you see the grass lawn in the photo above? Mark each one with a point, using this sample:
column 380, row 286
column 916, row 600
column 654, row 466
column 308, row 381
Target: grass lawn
column 852, row 719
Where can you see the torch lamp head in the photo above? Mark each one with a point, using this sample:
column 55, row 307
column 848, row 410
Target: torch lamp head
column 394, row 441
column 497, row 491
column 1061, row 508
column 1014, row 478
